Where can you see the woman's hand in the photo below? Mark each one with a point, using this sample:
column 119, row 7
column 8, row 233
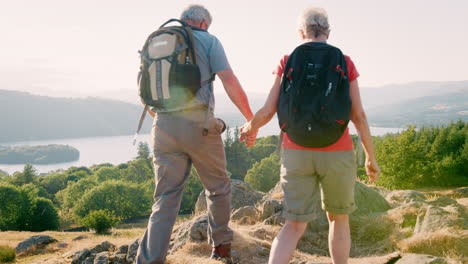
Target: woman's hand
column 372, row 169
column 248, row 134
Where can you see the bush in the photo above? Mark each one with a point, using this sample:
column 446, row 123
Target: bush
column 7, row 254
column 123, row 199
column 264, row 174
column 100, row 221
column 425, row 157
column 44, row 216
column 13, row 208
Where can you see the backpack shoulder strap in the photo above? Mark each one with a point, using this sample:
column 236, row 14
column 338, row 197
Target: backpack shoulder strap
column 183, row 23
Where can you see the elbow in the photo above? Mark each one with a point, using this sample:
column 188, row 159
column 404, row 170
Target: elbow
column 359, row 118
column 266, row 113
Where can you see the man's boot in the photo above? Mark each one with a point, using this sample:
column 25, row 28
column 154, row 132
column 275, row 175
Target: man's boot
column 223, row 253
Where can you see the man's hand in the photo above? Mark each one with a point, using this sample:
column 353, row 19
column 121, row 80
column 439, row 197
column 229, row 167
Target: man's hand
column 372, row 169
column 248, row 135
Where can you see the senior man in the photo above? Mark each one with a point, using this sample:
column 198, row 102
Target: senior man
column 179, row 142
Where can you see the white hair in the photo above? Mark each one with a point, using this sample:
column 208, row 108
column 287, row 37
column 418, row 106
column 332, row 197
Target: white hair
column 314, row 22
column 197, row 14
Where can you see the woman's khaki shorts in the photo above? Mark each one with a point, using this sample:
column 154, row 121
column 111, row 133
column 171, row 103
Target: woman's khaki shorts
column 306, row 175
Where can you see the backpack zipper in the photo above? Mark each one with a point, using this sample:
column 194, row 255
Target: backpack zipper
column 330, row 85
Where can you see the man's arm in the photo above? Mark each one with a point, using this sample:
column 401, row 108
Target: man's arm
column 235, row 92
column 359, row 119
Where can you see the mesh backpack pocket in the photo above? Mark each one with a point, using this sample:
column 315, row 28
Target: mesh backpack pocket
column 169, row 76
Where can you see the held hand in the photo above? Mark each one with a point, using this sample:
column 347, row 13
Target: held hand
column 248, row 135
column 372, row 169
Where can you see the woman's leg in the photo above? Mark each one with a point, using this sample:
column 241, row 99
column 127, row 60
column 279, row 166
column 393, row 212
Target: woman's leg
column 339, row 237
column 286, row 241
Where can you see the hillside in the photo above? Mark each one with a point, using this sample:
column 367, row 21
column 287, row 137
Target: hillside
column 46, row 154
column 402, row 227
column 438, row 110
column 393, row 105
column 24, row 116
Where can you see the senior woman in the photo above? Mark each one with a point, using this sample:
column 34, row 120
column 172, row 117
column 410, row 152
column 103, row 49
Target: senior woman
column 308, row 172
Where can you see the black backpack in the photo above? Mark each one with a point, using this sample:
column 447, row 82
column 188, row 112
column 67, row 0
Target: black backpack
column 314, row 105
column 169, row 75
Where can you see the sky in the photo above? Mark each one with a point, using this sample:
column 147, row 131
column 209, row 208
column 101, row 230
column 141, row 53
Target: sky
column 89, row 47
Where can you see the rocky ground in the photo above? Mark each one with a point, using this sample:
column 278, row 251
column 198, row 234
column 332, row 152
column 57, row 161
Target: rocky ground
column 403, row 227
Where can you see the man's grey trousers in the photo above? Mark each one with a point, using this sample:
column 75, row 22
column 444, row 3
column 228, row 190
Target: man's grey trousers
column 178, row 142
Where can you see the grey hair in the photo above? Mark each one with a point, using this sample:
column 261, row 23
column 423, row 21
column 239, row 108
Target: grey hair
column 314, row 22
column 197, row 14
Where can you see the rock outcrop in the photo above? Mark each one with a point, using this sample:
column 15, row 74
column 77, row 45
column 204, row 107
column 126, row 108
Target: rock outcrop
column 33, row 243
column 242, row 195
column 397, row 198
column 194, row 230
column 421, row 259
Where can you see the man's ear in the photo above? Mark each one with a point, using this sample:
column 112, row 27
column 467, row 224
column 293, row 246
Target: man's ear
column 204, row 25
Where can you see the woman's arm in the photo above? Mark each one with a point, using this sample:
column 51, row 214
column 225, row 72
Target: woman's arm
column 359, row 119
column 263, row 116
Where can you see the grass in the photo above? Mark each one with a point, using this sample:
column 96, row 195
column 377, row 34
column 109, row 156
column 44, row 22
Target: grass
column 7, row 254
column 444, row 243
column 373, row 234
column 63, row 255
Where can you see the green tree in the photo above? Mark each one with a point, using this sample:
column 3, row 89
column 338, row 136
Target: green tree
column 3, row 176
column 12, row 207
column 53, row 182
column 138, row 171
column 27, row 176
column 238, row 160
column 107, row 173
column 22, row 209
column 264, row 174
column 402, row 160
column 72, row 170
column 143, row 151
column 69, row 196
column 44, row 215
column 428, row 157
column 35, row 190
column 94, row 168
column 123, row 199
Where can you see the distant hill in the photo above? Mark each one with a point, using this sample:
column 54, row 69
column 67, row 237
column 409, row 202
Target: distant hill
column 24, row 116
column 396, row 93
column 428, row 110
column 47, row 154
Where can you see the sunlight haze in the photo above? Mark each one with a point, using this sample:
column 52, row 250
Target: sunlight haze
column 89, row 48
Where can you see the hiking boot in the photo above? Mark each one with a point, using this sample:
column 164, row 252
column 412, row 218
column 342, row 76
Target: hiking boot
column 223, row 253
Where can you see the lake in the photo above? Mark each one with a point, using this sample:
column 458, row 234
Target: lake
column 119, row 149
